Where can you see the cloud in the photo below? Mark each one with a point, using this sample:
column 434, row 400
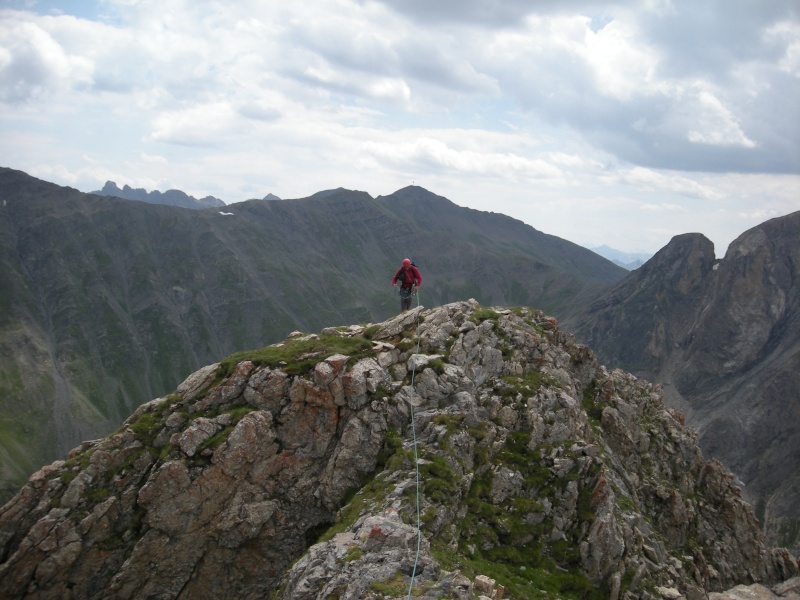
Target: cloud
column 206, row 125
column 394, row 90
column 663, row 85
column 717, row 126
column 431, row 154
column 33, row 64
column 620, row 87
column 708, row 40
column 153, row 159
column 648, row 179
column 569, row 105
column 259, row 111
column 662, row 207
column 473, row 12
column 621, row 63
column 786, row 36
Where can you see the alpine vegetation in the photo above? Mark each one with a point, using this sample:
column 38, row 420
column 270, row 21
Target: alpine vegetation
column 455, row 452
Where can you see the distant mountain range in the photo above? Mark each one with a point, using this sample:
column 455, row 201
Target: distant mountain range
column 626, row 260
column 107, row 303
column 168, row 198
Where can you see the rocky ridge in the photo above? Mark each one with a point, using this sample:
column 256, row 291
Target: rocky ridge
column 290, row 471
column 722, row 336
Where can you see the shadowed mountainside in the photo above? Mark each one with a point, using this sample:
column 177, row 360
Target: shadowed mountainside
column 723, row 338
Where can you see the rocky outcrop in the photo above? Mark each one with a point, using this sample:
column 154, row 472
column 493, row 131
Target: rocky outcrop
column 723, row 338
column 789, row 590
column 454, row 452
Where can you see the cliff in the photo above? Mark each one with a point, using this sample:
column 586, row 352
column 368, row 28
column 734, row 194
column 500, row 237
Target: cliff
column 480, row 450
column 723, row 339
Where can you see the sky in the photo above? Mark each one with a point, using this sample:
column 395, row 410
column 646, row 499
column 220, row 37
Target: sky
column 622, row 124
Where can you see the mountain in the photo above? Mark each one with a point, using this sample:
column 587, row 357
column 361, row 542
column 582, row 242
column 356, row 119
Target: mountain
column 328, row 193
column 105, row 303
column 626, row 260
column 479, row 450
column 168, row 198
column 723, row 338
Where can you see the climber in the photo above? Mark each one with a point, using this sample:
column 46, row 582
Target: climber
column 410, row 279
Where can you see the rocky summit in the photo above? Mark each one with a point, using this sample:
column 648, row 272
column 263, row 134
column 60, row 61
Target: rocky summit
column 455, row 452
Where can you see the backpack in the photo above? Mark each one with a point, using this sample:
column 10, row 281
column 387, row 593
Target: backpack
column 401, row 276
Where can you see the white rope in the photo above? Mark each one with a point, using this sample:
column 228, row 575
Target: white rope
column 416, row 460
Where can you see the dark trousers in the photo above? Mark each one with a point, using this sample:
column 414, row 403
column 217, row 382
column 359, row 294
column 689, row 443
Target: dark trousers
column 406, row 295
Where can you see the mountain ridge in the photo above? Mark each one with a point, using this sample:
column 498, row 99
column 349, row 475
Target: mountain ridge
column 723, row 338
column 169, row 198
column 107, row 302
column 627, row 260
column 541, row 474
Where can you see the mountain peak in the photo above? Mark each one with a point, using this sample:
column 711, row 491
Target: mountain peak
column 723, row 337
column 170, row 197
column 415, row 192
column 683, row 263
column 777, row 233
column 529, row 454
column 335, row 192
column 110, row 188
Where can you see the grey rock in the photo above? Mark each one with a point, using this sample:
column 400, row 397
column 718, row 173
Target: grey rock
column 722, row 337
column 535, row 448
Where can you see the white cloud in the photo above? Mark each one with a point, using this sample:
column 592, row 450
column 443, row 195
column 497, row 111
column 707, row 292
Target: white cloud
column 662, row 207
column 33, row 65
column 260, row 111
column 786, row 35
column 201, row 125
column 431, row 154
column 153, row 159
column 717, row 125
column 673, row 183
column 51, row 172
column 390, row 89
column 552, row 110
column 583, row 163
column 622, row 63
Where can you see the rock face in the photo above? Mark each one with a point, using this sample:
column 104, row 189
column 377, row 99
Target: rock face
column 480, row 450
column 789, row 590
column 723, row 338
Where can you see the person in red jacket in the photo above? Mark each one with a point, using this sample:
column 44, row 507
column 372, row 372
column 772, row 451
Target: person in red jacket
column 410, row 279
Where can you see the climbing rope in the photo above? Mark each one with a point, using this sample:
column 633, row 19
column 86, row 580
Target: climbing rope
column 416, row 460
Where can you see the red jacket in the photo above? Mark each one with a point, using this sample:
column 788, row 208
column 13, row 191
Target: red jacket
column 411, row 277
